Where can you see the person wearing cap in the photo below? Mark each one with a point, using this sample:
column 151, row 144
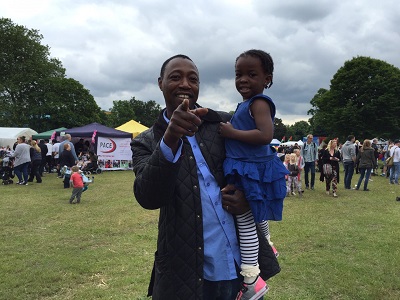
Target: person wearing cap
column 395, row 169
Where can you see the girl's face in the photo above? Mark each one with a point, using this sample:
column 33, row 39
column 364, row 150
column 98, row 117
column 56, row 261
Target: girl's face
column 250, row 77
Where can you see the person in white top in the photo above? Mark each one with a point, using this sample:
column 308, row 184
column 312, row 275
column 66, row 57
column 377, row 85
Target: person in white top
column 55, row 148
column 49, row 155
column 395, row 169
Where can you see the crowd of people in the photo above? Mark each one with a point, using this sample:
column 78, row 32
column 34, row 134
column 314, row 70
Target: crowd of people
column 30, row 159
column 355, row 157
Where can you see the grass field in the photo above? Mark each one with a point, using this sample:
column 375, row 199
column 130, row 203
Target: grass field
column 344, row 248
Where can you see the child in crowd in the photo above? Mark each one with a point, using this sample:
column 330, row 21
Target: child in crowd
column 286, row 163
column 300, row 165
column 77, row 184
column 293, row 181
column 252, row 165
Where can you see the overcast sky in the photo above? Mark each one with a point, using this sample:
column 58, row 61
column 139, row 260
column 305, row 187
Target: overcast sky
column 116, row 48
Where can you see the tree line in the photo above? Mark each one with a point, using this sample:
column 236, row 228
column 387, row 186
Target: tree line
column 363, row 98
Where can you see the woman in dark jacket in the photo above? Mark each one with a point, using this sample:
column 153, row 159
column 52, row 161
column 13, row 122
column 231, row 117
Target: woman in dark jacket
column 67, row 159
column 366, row 162
column 36, row 161
column 330, row 160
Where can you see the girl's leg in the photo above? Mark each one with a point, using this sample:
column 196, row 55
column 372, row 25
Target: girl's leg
column 366, row 180
column 362, row 173
column 334, row 182
column 248, row 246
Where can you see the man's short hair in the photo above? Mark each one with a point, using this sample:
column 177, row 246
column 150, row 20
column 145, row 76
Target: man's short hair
column 350, row 137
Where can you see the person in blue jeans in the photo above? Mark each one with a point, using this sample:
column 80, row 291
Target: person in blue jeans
column 349, row 158
column 367, row 162
column 22, row 160
column 309, row 151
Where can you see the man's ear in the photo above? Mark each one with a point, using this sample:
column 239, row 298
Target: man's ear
column 160, row 82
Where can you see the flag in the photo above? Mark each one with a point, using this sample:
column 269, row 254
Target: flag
column 283, row 139
column 290, row 138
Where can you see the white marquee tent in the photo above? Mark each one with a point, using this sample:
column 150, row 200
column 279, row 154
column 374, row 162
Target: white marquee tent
column 8, row 135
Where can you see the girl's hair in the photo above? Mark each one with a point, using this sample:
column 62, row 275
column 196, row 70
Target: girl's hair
column 266, row 62
column 287, row 156
column 366, row 144
column 22, row 138
column 35, row 146
column 293, row 158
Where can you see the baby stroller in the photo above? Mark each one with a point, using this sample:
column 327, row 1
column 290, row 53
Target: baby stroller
column 6, row 169
column 91, row 168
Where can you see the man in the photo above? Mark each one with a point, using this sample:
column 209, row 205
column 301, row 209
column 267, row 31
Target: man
column 348, row 158
column 395, row 169
column 178, row 166
column 310, row 156
column 67, row 139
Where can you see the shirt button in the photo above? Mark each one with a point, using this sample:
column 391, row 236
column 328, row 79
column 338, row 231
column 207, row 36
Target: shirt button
column 199, row 248
column 201, row 145
column 195, row 187
column 208, row 184
column 216, row 203
column 223, row 222
column 191, row 157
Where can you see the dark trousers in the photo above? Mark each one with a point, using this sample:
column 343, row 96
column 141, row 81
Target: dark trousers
column 35, row 171
column 66, row 181
column 309, row 166
column 49, row 162
column 221, row 290
column 76, row 192
column 348, row 173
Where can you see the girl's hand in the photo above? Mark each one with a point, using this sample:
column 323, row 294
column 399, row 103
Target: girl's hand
column 225, row 129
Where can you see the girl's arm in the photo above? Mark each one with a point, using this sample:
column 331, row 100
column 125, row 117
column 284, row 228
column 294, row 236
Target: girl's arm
column 264, row 131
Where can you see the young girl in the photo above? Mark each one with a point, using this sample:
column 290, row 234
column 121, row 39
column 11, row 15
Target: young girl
column 293, row 181
column 252, row 164
column 286, row 163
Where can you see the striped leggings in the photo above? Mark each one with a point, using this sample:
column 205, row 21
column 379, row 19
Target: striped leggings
column 248, row 238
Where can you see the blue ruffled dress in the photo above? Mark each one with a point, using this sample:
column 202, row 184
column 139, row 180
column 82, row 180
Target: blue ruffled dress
column 256, row 169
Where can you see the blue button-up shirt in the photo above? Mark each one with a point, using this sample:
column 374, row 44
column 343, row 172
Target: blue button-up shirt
column 221, row 247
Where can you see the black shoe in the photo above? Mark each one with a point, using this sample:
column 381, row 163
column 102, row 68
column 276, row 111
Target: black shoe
column 366, row 190
column 397, row 198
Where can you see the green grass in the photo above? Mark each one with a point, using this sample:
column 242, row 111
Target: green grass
column 344, row 248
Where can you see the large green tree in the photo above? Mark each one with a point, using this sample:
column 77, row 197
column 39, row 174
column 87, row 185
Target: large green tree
column 298, row 130
column 123, row 111
column 279, row 129
column 33, row 89
column 363, row 100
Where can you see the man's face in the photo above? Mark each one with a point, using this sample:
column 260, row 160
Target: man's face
column 309, row 139
column 180, row 81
